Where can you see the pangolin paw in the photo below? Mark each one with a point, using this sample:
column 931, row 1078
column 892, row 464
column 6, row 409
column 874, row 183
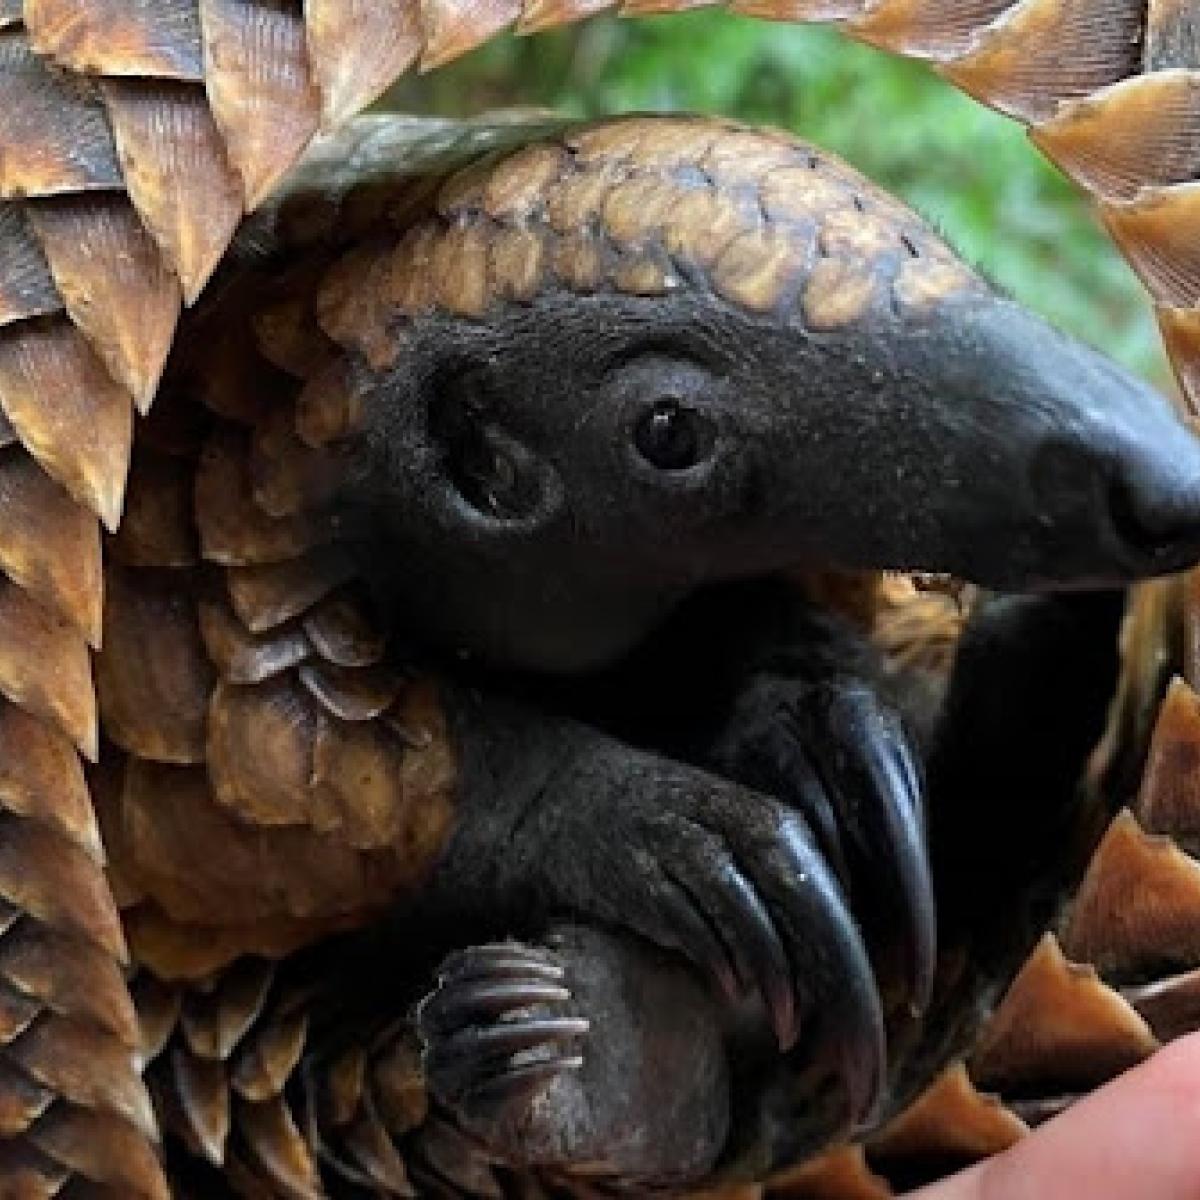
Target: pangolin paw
column 638, row 1090
column 497, row 1030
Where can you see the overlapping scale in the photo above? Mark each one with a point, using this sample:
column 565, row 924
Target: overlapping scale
column 194, row 108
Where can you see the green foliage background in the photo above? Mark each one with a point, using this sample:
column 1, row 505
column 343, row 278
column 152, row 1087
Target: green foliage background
column 970, row 171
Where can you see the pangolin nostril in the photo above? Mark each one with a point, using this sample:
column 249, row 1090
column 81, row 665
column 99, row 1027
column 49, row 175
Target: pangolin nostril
column 1153, row 527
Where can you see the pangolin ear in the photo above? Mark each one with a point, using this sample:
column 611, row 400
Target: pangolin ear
column 502, row 480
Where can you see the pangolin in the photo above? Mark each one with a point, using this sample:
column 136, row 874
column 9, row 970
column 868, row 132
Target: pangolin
column 285, row 769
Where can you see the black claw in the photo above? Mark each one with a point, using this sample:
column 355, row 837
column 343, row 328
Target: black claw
column 861, row 754
column 515, row 1083
column 514, row 1037
column 489, row 1029
column 746, row 925
column 501, row 960
column 460, row 1064
column 692, row 934
column 473, row 1002
column 831, row 968
column 464, row 1058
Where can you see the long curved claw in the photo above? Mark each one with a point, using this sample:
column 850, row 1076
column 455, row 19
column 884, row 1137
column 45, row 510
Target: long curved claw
column 861, row 756
column 725, row 926
column 836, row 1001
column 767, row 969
column 832, row 970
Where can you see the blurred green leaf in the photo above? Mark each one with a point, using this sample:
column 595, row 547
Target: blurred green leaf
column 973, row 173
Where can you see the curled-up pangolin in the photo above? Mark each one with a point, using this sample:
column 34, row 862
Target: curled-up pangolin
column 494, row 579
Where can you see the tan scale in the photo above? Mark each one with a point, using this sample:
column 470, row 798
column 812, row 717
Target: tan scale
column 150, row 126
column 1059, row 1028
column 951, row 1123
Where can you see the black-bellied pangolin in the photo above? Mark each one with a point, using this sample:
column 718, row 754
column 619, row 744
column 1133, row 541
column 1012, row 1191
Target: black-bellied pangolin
column 134, row 137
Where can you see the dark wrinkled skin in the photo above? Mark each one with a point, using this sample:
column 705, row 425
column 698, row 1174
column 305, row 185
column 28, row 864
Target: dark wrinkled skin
column 659, row 737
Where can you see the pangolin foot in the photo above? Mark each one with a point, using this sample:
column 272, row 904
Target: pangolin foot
column 599, row 1055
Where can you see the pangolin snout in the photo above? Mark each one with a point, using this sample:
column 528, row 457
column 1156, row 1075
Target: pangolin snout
column 1156, row 520
column 1089, row 476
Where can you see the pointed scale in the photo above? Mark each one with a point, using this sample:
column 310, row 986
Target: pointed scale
column 537, row 16
column 44, row 668
column 244, row 657
column 951, row 1122
column 1059, row 1027
column 358, row 48
column 157, row 38
column 83, row 438
column 87, row 1067
column 69, row 976
column 17, row 1014
column 202, row 1095
column 1180, row 328
column 103, row 1148
column 342, row 1086
column 49, row 544
column 1169, row 799
column 41, row 779
column 215, row 1021
column 57, row 885
column 397, row 1077
column 1140, row 132
column 241, row 996
column 367, row 1144
column 453, row 27
column 1156, row 233
column 53, row 134
column 177, row 173
column 116, row 286
column 26, row 285
column 270, row 1057
column 266, row 596
column 1138, row 907
column 933, row 29
column 260, row 87
column 158, row 1005
column 1028, row 60
column 22, row 1102
column 278, row 1149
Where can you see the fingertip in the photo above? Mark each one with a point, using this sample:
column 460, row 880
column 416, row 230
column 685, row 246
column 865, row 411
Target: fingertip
column 1137, row 1137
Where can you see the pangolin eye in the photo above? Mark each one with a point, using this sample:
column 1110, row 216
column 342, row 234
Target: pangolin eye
column 672, row 437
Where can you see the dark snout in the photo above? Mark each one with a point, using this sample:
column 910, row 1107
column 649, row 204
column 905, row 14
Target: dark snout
column 994, row 448
column 1113, row 473
column 1153, row 504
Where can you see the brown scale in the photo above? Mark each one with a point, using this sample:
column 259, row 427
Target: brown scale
column 190, row 150
column 326, row 790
